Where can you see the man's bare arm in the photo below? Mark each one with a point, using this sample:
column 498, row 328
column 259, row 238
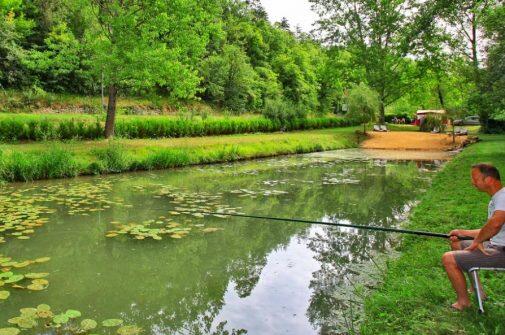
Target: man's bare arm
column 492, row 227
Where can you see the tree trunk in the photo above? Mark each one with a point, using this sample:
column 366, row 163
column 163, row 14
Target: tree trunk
column 475, row 45
column 111, row 112
column 440, row 96
column 381, row 113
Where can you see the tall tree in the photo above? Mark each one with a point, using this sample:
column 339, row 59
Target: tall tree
column 380, row 35
column 144, row 44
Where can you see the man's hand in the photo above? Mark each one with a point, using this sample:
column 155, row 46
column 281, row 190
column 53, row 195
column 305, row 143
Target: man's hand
column 479, row 246
column 454, row 234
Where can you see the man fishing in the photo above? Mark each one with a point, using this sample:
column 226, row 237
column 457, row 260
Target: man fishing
column 487, row 249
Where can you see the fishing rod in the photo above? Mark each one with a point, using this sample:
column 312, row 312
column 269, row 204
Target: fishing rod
column 349, row 225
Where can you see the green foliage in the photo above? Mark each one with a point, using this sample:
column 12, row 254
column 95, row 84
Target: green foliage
column 62, row 65
column 432, row 122
column 283, row 112
column 363, row 104
column 493, row 91
column 230, row 81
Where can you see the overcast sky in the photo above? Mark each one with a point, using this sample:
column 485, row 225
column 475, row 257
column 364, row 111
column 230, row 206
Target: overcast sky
column 297, row 12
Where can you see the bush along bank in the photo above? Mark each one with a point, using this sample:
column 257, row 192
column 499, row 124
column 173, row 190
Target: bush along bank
column 416, row 295
column 116, row 157
column 29, row 129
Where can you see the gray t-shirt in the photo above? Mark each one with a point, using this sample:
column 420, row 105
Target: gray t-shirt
column 497, row 203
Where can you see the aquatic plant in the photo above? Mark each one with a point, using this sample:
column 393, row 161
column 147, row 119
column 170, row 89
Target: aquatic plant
column 43, row 318
column 9, row 276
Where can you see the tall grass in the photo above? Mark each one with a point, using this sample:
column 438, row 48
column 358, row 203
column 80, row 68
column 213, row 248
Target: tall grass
column 53, row 163
column 24, row 128
column 63, row 162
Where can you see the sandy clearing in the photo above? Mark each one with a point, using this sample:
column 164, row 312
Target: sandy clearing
column 406, row 140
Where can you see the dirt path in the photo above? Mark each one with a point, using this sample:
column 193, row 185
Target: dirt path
column 406, row 140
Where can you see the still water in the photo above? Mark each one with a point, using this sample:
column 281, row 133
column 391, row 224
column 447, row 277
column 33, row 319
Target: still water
column 124, row 247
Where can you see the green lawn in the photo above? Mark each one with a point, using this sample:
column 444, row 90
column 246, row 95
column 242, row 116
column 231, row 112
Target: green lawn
column 416, row 295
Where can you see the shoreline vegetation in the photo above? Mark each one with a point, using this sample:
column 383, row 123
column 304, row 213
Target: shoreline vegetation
column 56, row 159
column 415, row 295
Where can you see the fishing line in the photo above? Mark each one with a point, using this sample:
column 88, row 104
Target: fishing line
column 335, row 224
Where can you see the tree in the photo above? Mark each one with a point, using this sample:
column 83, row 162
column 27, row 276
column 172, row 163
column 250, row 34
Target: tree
column 229, row 80
column 494, row 80
column 379, row 34
column 14, row 28
column 363, row 104
column 143, row 44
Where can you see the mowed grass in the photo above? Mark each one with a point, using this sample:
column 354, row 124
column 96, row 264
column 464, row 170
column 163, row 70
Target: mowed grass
column 42, row 160
column 416, row 295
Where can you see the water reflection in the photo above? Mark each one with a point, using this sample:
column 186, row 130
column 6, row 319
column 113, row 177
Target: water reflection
column 254, row 276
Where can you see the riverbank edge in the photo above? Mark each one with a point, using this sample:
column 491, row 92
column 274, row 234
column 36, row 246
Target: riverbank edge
column 67, row 160
column 415, row 294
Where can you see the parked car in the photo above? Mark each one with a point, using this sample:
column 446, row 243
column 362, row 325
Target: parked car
column 472, row 120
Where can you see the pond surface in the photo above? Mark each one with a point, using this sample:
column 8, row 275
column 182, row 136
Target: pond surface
column 125, row 247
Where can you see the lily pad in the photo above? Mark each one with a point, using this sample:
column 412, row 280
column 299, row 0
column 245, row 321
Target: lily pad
column 42, row 259
column 4, row 295
column 129, row 330
column 33, row 275
column 43, row 307
column 27, row 322
column 88, row 324
column 112, row 322
column 9, row 331
column 28, row 312
column 72, row 314
column 40, row 282
column 6, row 274
column 14, row 279
column 35, row 287
column 60, row 319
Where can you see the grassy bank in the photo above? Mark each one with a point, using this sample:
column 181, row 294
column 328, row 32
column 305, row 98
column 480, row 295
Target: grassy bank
column 43, row 160
column 416, row 294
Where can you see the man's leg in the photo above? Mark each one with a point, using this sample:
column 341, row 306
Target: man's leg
column 457, row 245
column 457, row 279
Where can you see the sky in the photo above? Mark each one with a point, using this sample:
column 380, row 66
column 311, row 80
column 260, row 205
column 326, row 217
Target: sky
column 297, row 12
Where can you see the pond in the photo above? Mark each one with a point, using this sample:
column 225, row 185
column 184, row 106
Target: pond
column 135, row 248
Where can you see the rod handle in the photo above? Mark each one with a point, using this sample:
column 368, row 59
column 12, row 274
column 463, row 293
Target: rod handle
column 464, row 238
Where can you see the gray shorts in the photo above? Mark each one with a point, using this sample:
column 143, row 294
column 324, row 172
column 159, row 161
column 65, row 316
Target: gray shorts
column 469, row 259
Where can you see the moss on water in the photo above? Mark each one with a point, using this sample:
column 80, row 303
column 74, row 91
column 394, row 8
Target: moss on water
column 416, row 293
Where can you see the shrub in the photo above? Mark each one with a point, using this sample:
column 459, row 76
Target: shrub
column 431, row 122
column 363, row 104
column 283, row 111
column 112, row 159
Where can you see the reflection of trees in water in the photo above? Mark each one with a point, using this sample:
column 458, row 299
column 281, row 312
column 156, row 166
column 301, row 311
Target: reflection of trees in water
column 180, row 288
column 388, row 189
